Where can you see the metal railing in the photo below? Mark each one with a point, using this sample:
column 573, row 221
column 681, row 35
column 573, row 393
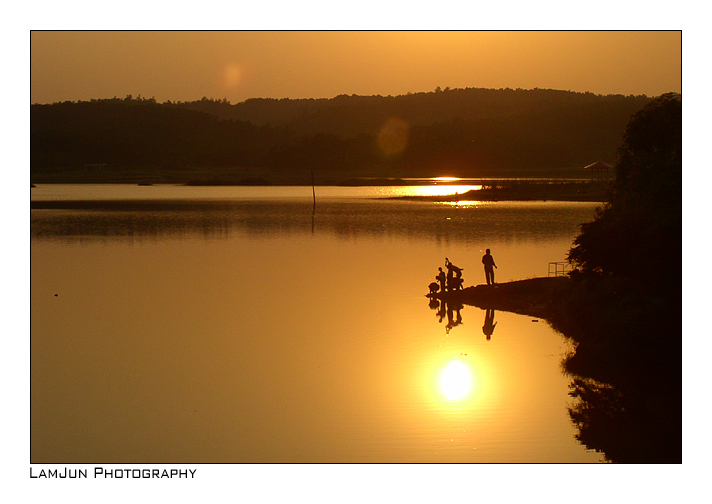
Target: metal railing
column 557, row 269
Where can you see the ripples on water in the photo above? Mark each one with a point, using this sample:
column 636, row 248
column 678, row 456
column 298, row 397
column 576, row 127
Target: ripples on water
column 342, row 211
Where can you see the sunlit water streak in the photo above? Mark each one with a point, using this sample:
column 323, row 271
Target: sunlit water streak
column 109, row 192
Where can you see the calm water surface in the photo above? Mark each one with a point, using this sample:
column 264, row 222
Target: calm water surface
column 234, row 324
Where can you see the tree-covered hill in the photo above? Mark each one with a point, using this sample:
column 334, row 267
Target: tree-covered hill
column 463, row 132
column 123, row 132
column 353, row 115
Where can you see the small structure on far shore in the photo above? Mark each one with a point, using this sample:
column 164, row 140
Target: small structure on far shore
column 597, row 168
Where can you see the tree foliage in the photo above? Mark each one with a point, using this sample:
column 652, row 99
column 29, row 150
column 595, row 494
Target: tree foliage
column 139, row 132
column 464, row 132
column 638, row 234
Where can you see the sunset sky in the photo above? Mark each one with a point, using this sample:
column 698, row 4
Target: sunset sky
column 237, row 65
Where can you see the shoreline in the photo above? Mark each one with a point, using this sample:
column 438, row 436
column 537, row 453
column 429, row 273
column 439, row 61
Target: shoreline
column 535, row 297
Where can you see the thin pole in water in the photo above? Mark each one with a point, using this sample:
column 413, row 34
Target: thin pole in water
column 314, row 207
column 313, row 192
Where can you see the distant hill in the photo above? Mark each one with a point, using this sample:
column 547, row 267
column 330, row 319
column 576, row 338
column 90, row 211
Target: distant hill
column 463, row 132
column 353, row 115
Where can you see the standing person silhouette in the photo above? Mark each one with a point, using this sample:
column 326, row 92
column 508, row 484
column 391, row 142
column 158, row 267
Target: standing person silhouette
column 488, row 261
column 441, row 279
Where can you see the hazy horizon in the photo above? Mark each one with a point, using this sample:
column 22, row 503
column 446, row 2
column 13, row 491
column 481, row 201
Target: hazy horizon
column 239, row 65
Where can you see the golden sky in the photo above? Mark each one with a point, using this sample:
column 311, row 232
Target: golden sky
column 237, row 65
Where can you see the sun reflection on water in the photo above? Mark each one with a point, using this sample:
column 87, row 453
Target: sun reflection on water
column 456, row 381
column 434, row 190
column 464, row 203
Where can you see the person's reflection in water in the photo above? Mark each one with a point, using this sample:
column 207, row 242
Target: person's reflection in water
column 453, row 316
column 441, row 311
column 434, row 304
column 488, row 328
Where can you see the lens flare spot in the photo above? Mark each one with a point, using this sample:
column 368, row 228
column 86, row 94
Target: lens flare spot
column 231, row 76
column 393, row 136
column 455, row 381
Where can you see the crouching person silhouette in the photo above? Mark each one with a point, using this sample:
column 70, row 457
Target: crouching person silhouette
column 454, row 276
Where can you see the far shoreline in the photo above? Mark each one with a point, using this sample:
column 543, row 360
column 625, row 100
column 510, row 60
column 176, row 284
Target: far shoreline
column 515, row 189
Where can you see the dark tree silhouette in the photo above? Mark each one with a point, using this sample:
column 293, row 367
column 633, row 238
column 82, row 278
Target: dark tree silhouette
column 625, row 312
column 638, row 234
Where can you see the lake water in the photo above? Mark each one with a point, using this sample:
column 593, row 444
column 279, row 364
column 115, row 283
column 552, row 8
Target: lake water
column 243, row 324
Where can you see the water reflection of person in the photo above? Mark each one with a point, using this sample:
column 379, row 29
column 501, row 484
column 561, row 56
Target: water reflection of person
column 441, row 312
column 453, row 319
column 488, row 328
column 488, row 261
column 434, row 304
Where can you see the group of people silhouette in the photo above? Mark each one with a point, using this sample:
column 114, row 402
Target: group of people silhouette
column 452, row 281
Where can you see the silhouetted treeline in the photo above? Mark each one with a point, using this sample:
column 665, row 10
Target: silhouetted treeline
column 125, row 132
column 625, row 307
column 466, row 132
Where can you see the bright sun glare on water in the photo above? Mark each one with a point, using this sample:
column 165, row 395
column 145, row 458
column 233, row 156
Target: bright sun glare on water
column 455, row 381
column 432, row 190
